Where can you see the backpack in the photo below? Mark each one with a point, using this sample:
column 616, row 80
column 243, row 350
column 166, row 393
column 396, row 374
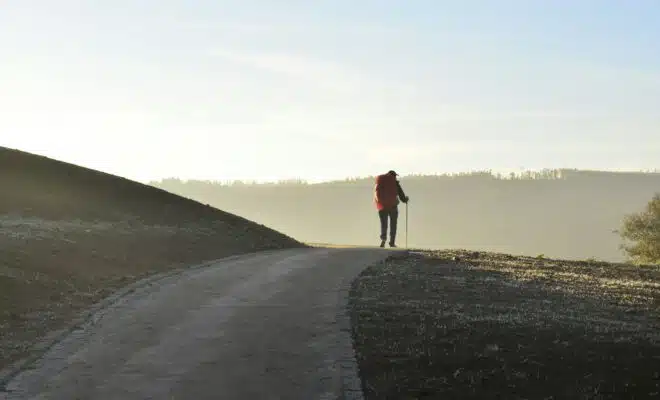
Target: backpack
column 386, row 192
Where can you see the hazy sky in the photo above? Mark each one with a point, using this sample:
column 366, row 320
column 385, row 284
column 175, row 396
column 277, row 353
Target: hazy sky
column 270, row 89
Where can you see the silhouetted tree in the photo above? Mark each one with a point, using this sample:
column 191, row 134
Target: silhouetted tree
column 643, row 230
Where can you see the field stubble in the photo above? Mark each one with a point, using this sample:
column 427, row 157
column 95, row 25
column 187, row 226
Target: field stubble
column 465, row 324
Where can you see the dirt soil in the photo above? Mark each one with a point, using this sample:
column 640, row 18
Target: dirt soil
column 70, row 236
column 474, row 325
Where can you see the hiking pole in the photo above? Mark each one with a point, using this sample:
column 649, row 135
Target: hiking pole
column 406, row 224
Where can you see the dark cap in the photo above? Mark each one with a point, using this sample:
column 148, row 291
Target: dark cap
column 391, row 172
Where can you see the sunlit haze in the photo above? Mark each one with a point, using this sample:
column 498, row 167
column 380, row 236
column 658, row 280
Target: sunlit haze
column 267, row 90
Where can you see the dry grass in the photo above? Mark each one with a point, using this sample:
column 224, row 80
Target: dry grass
column 462, row 324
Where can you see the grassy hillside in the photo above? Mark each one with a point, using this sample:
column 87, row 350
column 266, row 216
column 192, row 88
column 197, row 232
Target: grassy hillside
column 69, row 236
column 477, row 325
column 564, row 213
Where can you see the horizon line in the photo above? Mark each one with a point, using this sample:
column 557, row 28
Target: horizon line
column 500, row 174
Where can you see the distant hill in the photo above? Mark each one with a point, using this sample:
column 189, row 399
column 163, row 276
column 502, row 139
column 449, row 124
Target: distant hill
column 560, row 213
column 69, row 236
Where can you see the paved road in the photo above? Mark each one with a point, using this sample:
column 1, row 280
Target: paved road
column 261, row 326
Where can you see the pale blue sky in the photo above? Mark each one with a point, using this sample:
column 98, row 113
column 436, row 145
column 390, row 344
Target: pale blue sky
column 267, row 89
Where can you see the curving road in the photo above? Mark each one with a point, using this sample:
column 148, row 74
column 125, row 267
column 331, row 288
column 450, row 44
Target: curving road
column 262, row 326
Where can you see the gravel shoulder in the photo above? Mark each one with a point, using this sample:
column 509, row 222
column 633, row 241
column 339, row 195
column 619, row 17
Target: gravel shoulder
column 474, row 325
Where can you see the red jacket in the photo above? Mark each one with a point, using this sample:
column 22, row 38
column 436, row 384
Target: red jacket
column 386, row 192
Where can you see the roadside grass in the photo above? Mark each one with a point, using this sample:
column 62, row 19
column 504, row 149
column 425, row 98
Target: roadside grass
column 473, row 325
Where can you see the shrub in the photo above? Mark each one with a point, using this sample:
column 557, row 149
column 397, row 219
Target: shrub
column 642, row 232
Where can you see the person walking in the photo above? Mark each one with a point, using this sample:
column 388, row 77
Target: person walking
column 387, row 195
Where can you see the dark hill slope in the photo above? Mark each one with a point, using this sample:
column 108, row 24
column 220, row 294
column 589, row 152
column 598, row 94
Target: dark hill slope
column 38, row 186
column 69, row 236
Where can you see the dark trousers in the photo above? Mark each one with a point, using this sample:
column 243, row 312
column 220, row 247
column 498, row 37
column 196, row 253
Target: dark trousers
column 393, row 215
